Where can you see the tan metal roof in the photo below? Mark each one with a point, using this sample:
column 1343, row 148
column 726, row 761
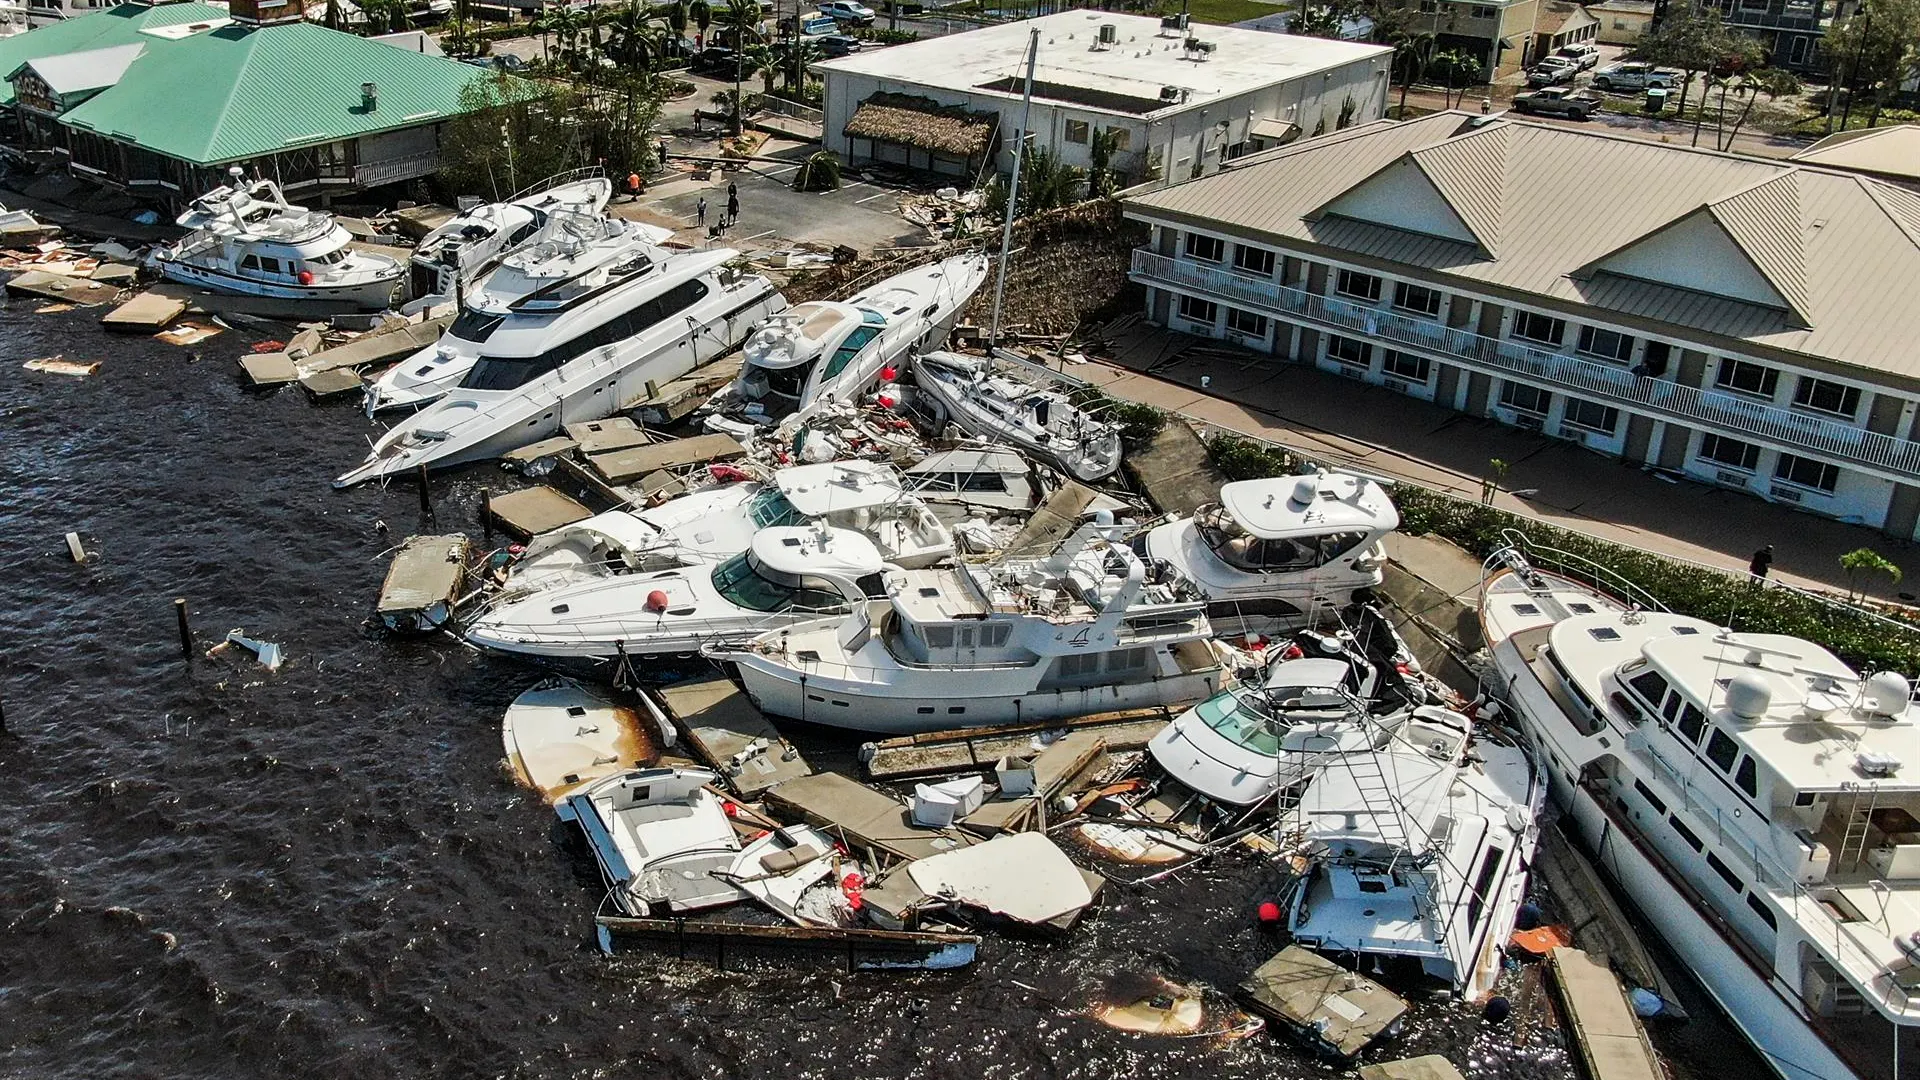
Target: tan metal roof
column 1841, row 250
column 1886, row 151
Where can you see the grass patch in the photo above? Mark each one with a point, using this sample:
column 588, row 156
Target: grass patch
column 1226, row 12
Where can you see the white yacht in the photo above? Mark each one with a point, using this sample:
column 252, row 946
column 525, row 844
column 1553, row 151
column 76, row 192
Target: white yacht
column 453, row 257
column 836, row 351
column 996, row 404
column 569, row 252
column 14, row 18
column 715, row 523
column 658, row 836
column 1750, row 793
column 579, row 350
column 1083, row 630
column 247, row 240
column 1274, row 554
column 788, row 574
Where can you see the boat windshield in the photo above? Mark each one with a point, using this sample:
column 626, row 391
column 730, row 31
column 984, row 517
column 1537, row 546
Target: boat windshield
column 851, row 347
column 1244, row 551
column 1244, row 716
column 742, row 584
column 474, row 326
column 770, row 508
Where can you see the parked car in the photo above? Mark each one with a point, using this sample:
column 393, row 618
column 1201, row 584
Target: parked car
column 1552, row 70
column 1583, row 55
column 1634, row 75
column 502, row 61
column 1558, row 101
column 848, row 11
column 715, row 60
column 837, row 44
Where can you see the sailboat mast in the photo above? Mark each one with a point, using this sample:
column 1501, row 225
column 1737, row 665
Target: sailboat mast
column 1013, row 191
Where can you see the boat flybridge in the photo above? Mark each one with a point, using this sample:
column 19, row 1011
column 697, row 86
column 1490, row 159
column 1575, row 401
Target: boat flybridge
column 579, row 349
column 1755, row 796
column 715, row 523
column 247, row 240
column 824, row 351
column 1082, row 630
column 568, row 253
column 1273, row 555
column 1419, row 851
column 454, row 255
column 788, row 574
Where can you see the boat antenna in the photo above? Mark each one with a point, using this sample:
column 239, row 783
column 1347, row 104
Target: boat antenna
column 1013, row 191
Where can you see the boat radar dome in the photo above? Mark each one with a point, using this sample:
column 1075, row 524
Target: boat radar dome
column 1306, row 489
column 1748, row 695
column 1888, row 693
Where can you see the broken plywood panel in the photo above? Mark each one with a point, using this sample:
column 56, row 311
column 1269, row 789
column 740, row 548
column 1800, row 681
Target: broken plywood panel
column 145, row 313
column 60, row 365
column 624, row 466
column 269, row 368
column 72, row 290
column 1606, row 1032
column 605, row 436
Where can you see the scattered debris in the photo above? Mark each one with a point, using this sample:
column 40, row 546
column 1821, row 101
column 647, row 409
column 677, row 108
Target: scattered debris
column 862, row 948
column 1335, row 1011
column 423, row 583
column 60, row 365
column 187, row 333
column 269, row 368
column 74, row 549
column 1023, row 876
column 1160, row 1008
column 144, row 314
column 266, row 652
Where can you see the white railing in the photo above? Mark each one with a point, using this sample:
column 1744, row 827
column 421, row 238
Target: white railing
column 774, row 106
column 405, row 167
column 1730, row 413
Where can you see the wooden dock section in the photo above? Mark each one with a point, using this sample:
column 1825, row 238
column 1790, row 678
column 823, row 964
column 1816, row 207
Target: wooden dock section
column 623, row 466
column 1174, row 469
column 147, row 313
column 1427, row 1067
column 1600, row 927
column 671, row 401
column 376, row 347
column 858, row 948
column 979, row 748
column 1606, row 1033
column 59, row 287
column 531, row 511
column 725, row 731
column 1052, row 521
column 865, row 819
column 1335, row 1011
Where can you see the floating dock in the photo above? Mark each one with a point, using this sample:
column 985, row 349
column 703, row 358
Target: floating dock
column 863, row 818
column 1606, row 1033
column 1335, row 1011
column 68, row 290
column 1600, row 927
column 623, row 466
column 375, row 347
column 531, row 511
column 423, row 582
column 859, row 948
column 1067, row 763
column 670, row 401
column 1428, row 1067
column 722, row 728
column 147, row 313
column 980, row 748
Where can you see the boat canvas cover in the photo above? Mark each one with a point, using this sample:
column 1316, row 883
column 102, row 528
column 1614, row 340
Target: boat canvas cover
column 1024, row 876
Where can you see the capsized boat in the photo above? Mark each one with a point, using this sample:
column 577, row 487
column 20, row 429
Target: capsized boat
column 836, row 350
column 570, row 252
column 997, row 404
column 658, row 835
column 789, row 573
column 1084, row 629
column 561, row 736
column 1419, row 851
column 1272, row 555
column 247, row 240
column 579, row 350
column 455, row 255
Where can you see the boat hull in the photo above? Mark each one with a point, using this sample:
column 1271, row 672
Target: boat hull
column 1089, row 462
column 374, row 295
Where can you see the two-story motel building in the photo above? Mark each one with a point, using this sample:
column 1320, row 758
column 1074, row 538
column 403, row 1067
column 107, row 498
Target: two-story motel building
column 1746, row 322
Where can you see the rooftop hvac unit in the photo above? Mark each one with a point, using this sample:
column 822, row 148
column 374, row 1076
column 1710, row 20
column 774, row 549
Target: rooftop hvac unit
column 369, row 96
column 1174, row 23
column 1198, row 49
column 1172, row 93
column 1109, row 36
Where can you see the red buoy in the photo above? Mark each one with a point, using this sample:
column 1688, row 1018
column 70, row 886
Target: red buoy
column 657, row 600
column 306, row 277
column 888, row 373
column 886, row 402
column 1268, row 912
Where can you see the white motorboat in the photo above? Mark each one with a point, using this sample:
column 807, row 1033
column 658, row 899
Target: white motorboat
column 579, row 350
column 992, row 402
column 454, row 256
column 561, row 736
column 14, row 18
column 658, row 836
column 1275, row 554
column 1419, row 851
column 570, row 252
column 247, row 240
column 788, row 574
column 836, row 351
column 1322, row 694
column 715, row 523
column 1080, row 631
column 1750, row 793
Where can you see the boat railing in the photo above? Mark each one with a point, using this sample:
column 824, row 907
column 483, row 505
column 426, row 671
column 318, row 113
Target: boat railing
column 1569, row 565
column 633, row 634
column 571, row 176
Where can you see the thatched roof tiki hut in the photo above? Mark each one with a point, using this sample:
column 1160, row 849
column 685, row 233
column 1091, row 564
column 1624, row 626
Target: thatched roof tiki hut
column 921, row 133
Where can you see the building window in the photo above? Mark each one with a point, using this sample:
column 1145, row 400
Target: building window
column 1754, row 5
column 1429, row 7
column 1481, row 12
column 1197, row 310
column 1357, row 285
column 1076, row 131
column 1407, row 366
column 1246, row 322
column 1525, row 397
column 1591, row 415
column 1210, row 248
column 1416, row 298
column 1797, row 52
column 1348, row 351
column 1747, row 378
column 1533, row 326
column 1122, row 138
column 1235, row 150
column 1806, row 473
column 1724, row 451
column 1605, row 344
column 1831, row 397
column 1254, row 260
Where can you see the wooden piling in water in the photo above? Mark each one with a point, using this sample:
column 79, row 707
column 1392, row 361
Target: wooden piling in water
column 486, row 513
column 186, row 633
column 426, row 494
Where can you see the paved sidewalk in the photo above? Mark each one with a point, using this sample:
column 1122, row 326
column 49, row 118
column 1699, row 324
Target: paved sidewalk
column 1343, row 421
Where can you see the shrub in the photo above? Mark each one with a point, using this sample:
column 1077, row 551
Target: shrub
column 1246, row 459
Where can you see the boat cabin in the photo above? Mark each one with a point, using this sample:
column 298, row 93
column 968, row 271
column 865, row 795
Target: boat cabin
column 1288, row 525
column 800, row 568
column 797, row 356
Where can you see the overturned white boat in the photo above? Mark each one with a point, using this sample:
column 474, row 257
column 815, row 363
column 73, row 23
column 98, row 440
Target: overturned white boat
column 579, row 350
column 658, row 836
column 570, row 251
column 561, row 736
column 1273, row 553
column 247, row 240
column 1000, row 406
column 836, row 350
column 453, row 257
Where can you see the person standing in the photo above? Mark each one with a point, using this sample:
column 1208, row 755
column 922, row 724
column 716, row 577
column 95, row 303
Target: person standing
column 633, row 186
column 700, row 210
column 733, row 204
column 1762, row 562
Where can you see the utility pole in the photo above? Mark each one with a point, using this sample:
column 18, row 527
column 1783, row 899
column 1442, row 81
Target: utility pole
column 1013, row 190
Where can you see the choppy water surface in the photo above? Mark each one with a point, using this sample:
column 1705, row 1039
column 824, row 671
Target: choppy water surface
column 209, row 871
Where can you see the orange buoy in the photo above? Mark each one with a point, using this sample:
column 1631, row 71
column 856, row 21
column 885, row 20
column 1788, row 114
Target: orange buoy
column 657, row 600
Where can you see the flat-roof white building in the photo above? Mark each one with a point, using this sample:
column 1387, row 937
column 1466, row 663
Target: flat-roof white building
column 1183, row 100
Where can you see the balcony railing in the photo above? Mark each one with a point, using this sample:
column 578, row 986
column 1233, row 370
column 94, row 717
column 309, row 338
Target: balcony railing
column 390, row 170
column 1730, row 414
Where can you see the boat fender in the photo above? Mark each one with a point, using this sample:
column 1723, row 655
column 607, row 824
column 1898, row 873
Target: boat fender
column 1268, row 913
column 657, row 601
column 306, row 277
column 1498, row 1009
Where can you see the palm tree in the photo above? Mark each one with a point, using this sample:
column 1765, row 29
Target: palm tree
column 566, row 24
column 702, row 13
column 636, row 42
column 800, row 56
column 766, row 64
column 677, row 17
column 1413, row 54
column 742, row 17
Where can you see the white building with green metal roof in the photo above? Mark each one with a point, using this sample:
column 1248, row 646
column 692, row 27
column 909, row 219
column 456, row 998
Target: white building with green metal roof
column 161, row 98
